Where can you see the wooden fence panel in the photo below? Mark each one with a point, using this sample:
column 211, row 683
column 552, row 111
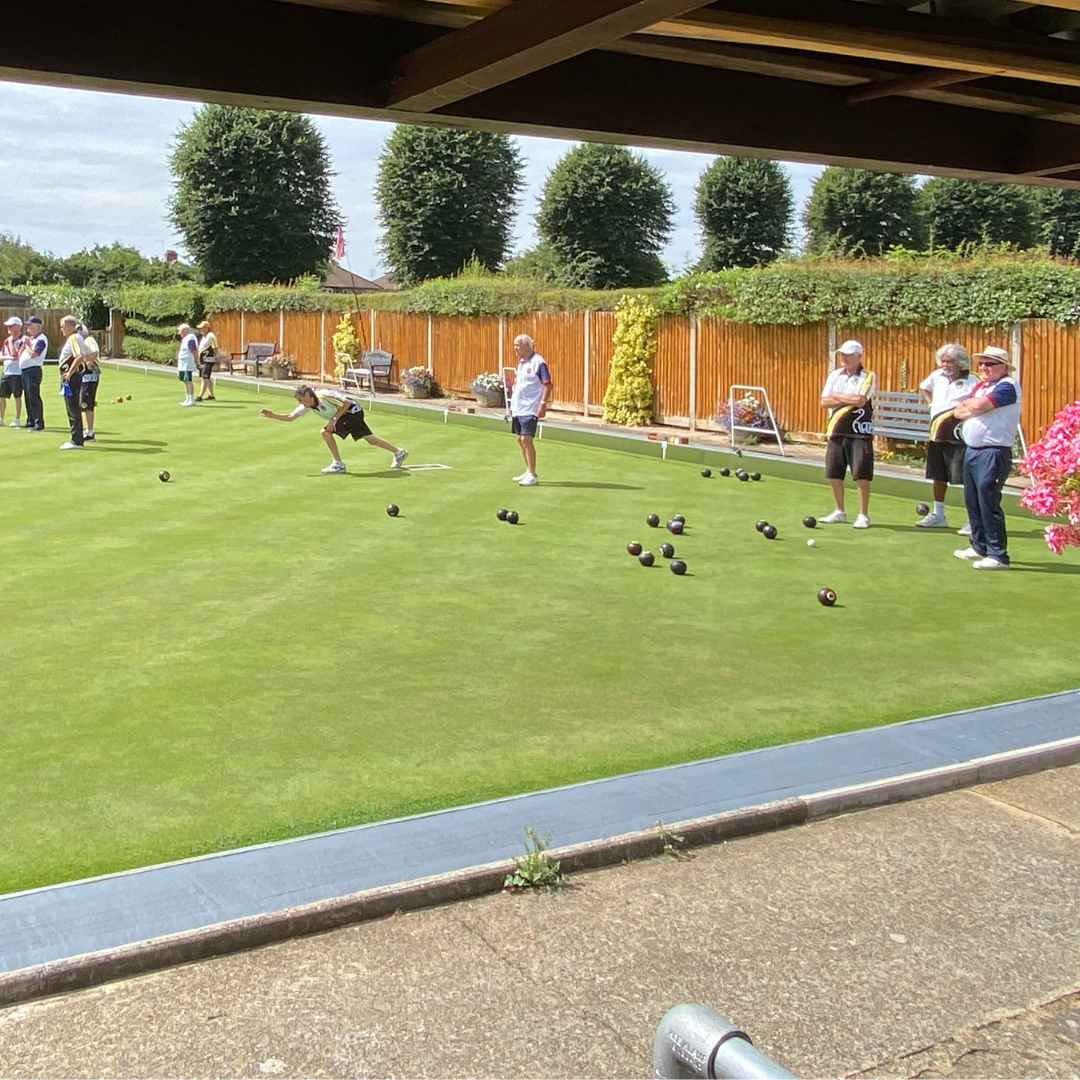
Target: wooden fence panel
column 601, row 346
column 671, row 370
column 302, row 341
column 261, row 326
column 559, row 337
column 1049, row 373
column 226, row 325
column 462, row 348
column 405, row 335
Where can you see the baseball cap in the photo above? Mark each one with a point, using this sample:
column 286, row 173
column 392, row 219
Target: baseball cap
column 35, row 319
column 13, row 321
column 851, row 347
column 995, row 352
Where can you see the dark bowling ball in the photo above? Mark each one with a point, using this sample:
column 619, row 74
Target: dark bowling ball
column 706, row 473
column 769, row 532
column 675, row 526
column 922, row 509
column 163, row 476
column 725, row 471
column 646, row 558
column 512, row 517
column 679, row 518
column 826, row 597
column 810, row 522
column 677, row 566
column 633, row 548
column 742, row 474
column 667, row 550
column 501, row 514
column 652, row 520
column 755, row 476
column 393, row 510
column 759, row 525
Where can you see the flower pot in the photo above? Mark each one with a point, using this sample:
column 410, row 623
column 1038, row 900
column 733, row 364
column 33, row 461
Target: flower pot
column 417, row 392
column 490, row 400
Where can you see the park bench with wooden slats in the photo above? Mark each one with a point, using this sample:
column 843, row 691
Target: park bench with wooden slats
column 254, row 354
column 901, row 415
column 375, row 364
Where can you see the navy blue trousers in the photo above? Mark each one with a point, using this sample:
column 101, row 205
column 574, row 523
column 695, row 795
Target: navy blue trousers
column 986, row 469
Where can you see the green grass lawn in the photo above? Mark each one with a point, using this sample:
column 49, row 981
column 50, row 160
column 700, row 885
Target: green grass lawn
column 255, row 650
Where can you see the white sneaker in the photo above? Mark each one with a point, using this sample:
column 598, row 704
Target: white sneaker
column 932, row 521
column 518, row 479
column 528, row 480
column 966, row 530
column 185, row 404
column 837, row 517
column 968, row 553
column 14, row 423
column 70, row 446
column 861, row 522
column 990, row 563
column 399, row 457
column 335, row 466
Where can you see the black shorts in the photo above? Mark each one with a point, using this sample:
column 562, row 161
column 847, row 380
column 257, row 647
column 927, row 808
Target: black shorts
column 88, row 393
column 524, row 425
column 945, row 461
column 849, row 452
column 206, row 368
column 352, row 423
column 11, row 386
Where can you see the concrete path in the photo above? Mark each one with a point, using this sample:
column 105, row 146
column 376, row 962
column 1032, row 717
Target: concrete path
column 929, row 938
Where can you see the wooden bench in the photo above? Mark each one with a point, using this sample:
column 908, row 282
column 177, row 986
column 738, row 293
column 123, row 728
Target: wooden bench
column 254, row 354
column 901, row 415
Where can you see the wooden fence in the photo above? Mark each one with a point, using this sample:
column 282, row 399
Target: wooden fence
column 697, row 359
column 50, row 323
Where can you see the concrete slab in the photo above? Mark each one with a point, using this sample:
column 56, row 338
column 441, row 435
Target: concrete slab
column 936, row 935
column 1052, row 795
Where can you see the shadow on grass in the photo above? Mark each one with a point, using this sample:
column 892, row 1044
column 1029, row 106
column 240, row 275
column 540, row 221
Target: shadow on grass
column 134, row 442
column 1046, row 568
column 590, row 484
column 106, row 449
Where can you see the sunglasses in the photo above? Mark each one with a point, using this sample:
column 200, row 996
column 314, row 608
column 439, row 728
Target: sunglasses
column 991, row 363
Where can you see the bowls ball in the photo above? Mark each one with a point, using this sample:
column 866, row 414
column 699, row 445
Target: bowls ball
column 652, row 520
column 725, row 471
column 755, row 476
column 826, row 597
column 128, row 397
column 393, row 510
column 679, row 518
column 677, row 566
column 501, row 514
column 633, row 548
column 163, row 476
column 760, row 525
column 667, row 550
column 922, row 509
column 706, row 473
column 512, row 517
column 646, row 558
column 742, row 474
column 769, row 532
column 675, row 526
column 119, row 401
column 810, row 521
column 811, row 542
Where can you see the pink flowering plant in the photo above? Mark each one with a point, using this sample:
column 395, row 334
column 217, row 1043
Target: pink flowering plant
column 1053, row 463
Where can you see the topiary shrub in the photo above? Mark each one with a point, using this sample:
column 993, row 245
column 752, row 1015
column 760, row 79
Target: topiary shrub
column 628, row 399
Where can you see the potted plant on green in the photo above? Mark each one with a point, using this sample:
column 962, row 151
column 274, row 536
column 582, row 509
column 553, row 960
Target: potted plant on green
column 418, row 382
column 280, row 366
column 489, row 389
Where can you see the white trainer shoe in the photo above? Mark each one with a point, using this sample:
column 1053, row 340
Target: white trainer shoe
column 861, row 522
column 518, row 479
column 837, row 517
column 185, row 404
column 968, row 553
column 399, row 457
column 528, row 480
column 990, row 563
column 932, row 521
column 966, row 530
column 15, row 423
column 335, row 466
column 70, row 446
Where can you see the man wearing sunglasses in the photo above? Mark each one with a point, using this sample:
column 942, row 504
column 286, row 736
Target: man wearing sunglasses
column 991, row 417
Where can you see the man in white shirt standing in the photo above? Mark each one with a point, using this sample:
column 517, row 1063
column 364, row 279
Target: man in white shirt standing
column 850, row 431
column 11, row 384
column 72, row 368
column 528, row 403
column 943, row 389
column 35, row 344
column 186, row 360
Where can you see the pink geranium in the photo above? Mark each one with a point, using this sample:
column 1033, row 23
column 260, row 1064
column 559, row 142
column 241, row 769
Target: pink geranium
column 1053, row 463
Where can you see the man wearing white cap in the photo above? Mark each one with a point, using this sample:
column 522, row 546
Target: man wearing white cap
column 11, row 380
column 991, row 417
column 850, row 431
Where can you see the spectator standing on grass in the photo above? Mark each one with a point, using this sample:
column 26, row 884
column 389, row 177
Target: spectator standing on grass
column 343, row 417
column 943, row 389
column 35, row 345
column 528, row 403
column 11, row 384
column 72, row 367
column 991, row 418
column 207, row 356
column 850, row 430
column 186, row 359
column 91, row 379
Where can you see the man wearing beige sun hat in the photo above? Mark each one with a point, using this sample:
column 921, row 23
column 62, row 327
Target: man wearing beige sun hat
column 991, row 417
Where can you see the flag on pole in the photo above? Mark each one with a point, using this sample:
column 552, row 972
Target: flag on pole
column 339, row 243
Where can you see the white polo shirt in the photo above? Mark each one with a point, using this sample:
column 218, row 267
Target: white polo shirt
column 849, row 420
column 997, row 427
column 33, row 351
column 530, row 378
column 329, row 401
column 185, row 356
column 945, row 395
column 9, row 351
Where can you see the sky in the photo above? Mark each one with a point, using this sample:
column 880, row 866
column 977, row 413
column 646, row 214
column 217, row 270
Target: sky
column 83, row 167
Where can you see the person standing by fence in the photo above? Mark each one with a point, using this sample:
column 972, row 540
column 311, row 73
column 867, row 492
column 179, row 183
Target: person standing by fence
column 208, row 345
column 11, row 384
column 528, row 403
column 850, row 430
column 72, row 367
column 35, row 345
column 186, row 358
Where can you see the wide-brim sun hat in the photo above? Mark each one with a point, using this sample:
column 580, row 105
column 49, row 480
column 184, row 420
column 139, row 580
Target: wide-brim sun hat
column 995, row 352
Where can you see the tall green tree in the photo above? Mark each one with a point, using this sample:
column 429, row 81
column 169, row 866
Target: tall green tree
column 1059, row 220
column 744, row 207
column 21, row 263
column 606, row 214
column 251, row 195
column 974, row 211
column 446, row 197
column 858, row 212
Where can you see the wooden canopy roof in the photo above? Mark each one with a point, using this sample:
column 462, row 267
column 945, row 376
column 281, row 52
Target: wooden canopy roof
column 978, row 88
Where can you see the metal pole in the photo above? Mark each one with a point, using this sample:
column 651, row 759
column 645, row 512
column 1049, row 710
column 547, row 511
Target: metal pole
column 692, row 1040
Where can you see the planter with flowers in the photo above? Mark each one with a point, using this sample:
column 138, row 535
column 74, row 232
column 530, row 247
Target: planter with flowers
column 418, row 382
column 1053, row 463
column 489, row 390
column 281, row 366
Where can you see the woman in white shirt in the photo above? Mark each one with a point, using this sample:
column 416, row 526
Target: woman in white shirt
column 207, row 356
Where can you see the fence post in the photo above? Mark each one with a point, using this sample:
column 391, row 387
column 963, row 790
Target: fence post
column 322, row 345
column 281, row 330
column 502, row 334
column 693, row 372
column 429, row 335
column 373, row 345
column 588, row 350
column 243, row 339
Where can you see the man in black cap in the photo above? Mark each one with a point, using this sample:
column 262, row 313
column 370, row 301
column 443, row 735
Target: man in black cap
column 35, row 343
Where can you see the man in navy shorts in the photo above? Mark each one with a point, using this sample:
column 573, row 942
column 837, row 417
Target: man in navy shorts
column 528, row 403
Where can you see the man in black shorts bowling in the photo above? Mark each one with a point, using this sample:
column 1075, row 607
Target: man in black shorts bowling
column 850, row 431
